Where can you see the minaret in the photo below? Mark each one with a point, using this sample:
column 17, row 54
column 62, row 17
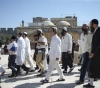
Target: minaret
column 22, row 23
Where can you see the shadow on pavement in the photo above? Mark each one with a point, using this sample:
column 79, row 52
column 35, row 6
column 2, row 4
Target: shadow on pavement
column 17, row 79
column 67, row 85
column 39, row 85
column 29, row 85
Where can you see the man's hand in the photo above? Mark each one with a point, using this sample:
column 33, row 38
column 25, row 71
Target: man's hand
column 35, row 41
column 91, row 55
column 68, row 52
column 57, row 59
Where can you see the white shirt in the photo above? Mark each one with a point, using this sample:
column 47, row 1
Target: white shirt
column 27, row 46
column 42, row 39
column 20, row 52
column 66, row 43
column 55, row 47
column 9, row 46
column 85, row 43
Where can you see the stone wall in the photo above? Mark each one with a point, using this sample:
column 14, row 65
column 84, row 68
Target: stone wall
column 46, row 30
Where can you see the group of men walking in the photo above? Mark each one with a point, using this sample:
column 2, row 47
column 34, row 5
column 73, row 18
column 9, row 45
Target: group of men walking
column 19, row 52
column 60, row 50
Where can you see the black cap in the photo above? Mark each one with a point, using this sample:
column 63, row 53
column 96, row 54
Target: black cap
column 20, row 33
column 13, row 37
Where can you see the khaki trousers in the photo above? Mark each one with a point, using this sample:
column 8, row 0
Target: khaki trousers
column 39, row 61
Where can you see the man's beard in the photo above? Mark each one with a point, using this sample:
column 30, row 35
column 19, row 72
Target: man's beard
column 62, row 33
column 38, row 34
column 92, row 29
column 85, row 31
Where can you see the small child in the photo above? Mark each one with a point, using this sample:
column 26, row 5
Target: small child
column 2, row 71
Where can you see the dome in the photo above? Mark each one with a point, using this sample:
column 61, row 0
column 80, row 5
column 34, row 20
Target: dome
column 47, row 23
column 63, row 23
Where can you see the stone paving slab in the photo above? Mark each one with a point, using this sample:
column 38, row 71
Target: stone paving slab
column 32, row 81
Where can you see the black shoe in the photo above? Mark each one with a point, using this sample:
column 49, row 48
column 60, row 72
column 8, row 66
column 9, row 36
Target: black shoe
column 95, row 79
column 79, row 70
column 44, row 81
column 62, row 67
column 71, row 69
column 79, row 82
column 60, row 80
column 32, row 71
column 79, row 64
column 11, row 76
column 16, row 74
column 41, row 74
column 45, row 71
column 39, row 70
column 27, row 71
column 64, row 71
column 88, row 86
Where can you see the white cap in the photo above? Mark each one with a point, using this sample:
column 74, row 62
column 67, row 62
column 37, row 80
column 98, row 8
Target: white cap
column 55, row 28
column 25, row 33
column 64, row 28
column 39, row 30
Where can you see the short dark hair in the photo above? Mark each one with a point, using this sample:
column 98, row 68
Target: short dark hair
column 20, row 33
column 35, row 35
column 95, row 21
column 13, row 37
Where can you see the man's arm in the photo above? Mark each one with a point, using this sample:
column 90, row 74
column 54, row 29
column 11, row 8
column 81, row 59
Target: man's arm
column 41, row 43
column 58, row 49
column 10, row 46
column 96, row 45
column 69, row 43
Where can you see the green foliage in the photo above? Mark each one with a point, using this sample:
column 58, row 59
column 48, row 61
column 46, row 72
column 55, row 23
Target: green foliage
column 5, row 38
column 5, row 35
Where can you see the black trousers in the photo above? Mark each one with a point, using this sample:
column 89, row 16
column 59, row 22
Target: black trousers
column 34, row 57
column 23, row 67
column 48, row 60
column 67, row 60
column 11, row 64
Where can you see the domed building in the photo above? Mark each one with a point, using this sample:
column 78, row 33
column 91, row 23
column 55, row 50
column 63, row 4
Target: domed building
column 46, row 25
column 63, row 24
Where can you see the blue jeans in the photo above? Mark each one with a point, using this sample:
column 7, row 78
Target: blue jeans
column 84, row 66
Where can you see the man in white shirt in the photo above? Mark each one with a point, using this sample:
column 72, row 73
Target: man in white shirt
column 54, row 54
column 41, row 46
column 12, row 47
column 28, row 52
column 21, row 54
column 66, row 49
column 85, row 48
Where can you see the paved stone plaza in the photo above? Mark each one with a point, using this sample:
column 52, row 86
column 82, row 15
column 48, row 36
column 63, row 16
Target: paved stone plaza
column 32, row 81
